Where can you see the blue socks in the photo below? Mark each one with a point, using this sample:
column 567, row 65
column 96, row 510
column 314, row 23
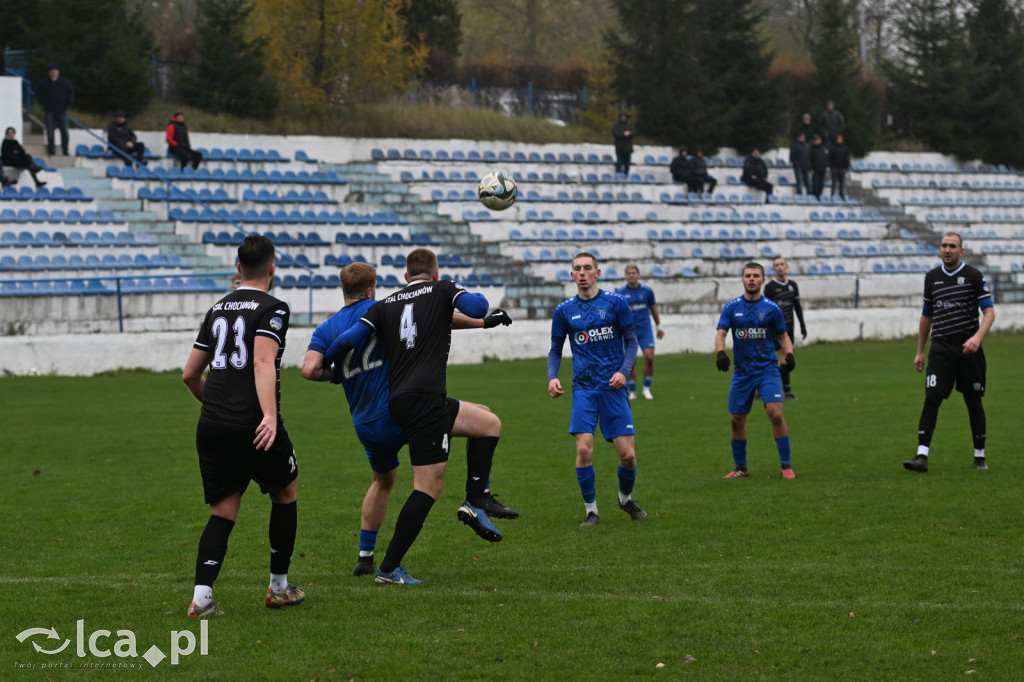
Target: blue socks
column 367, row 541
column 783, row 445
column 648, row 381
column 739, row 453
column 626, row 479
column 587, row 480
column 631, row 385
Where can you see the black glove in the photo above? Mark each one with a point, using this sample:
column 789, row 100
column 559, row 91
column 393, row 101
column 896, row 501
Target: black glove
column 499, row 316
column 803, row 332
column 336, row 373
column 722, row 360
column 790, row 362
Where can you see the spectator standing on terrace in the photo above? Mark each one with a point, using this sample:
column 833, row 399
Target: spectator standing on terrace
column 56, row 94
column 803, row 127
column 623, row 132
column 14, row 155
column 839, row 162
column 178, row 143
column 755, row 173
column 121, row 136
column 832, row 123
column 819, row 164
column 800, row 157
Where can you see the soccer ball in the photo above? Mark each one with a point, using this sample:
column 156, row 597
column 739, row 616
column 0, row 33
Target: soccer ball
column 497, row 190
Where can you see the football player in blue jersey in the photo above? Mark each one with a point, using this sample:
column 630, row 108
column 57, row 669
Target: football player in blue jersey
column 600, row 328
column 756, row 323
column 364, row 376
column 641, row 301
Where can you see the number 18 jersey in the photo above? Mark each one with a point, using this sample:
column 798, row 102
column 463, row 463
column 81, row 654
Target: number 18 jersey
column 228, row 336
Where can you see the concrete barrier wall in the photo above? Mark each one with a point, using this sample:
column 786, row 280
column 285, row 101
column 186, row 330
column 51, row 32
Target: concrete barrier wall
column 88, row 354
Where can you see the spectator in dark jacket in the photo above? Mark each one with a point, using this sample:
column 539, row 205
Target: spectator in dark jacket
column 623, row 133
column 700, row 171
column 839, row 162
column 56, row 94
column 682, row 171
column 800, row 157
column 832, row 122
column 178, row 143
column 12, row 154
column 121, row 136
column 755, row 173
column 803, row 127
column 819, row 163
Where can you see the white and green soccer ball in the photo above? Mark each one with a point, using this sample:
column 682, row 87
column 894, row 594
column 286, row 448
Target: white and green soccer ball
column 497, row 190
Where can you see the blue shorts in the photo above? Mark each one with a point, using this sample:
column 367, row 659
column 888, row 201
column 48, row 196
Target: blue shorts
column 741, row 392
column 610, row 408
column 382, row 439
column 645, row 337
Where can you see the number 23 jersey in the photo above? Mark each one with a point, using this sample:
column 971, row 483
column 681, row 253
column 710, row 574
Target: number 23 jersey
column 228, row 336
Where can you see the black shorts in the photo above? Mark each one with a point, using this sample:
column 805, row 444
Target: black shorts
column 427, row 420
column 228, row 460
column 948, row 366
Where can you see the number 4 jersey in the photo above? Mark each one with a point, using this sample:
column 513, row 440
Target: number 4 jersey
column 364, row 371
column 228, row 336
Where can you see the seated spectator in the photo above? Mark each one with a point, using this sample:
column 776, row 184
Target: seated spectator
column 178, row 143
column 682, row 171
column 121, row 136
column 700, row 171
column 755, row 173
column 13, row 155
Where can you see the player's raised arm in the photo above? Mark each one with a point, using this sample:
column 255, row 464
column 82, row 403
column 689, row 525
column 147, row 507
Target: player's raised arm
column 495, row 318
column 353, row 336
column 472, row 305
column 313, row 367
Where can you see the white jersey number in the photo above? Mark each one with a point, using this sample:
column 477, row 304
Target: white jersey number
column 239, row 358
column 407, row 327
column 346, row 368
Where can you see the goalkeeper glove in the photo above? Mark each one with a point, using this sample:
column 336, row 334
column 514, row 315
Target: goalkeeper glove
column 499, row 316
column 790, row 362
column 722, row 360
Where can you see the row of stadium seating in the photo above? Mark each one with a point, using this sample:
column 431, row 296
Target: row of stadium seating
column 41, row 215
column 949, row 185
column 225, row 238
column 73, row 238
column 92, row 262
column 97, row 151
column 287, row 217
column 221, row 175
column 129, row 285
column 383, row 281
column 12, row 193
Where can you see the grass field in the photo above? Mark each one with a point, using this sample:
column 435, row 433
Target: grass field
column 855, row 570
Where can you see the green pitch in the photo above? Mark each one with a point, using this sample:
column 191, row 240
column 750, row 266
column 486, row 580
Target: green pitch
column 857, row 569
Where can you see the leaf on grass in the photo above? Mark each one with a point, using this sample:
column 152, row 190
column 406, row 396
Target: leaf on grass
column 660, row 665
column 804, row 651
column 970, row 672
column 36, row 472
column 851, row 614
column 934, row 652
column 755, row 651
column 972, row 660
column 688, row 658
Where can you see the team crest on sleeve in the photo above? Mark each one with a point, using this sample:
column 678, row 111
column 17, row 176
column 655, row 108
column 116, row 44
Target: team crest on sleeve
column 276, row 323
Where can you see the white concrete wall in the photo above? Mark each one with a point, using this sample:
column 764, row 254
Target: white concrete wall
column 87, row 354
column 10, row 105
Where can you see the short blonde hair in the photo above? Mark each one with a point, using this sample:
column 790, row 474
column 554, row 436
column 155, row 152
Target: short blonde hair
column 357, row 278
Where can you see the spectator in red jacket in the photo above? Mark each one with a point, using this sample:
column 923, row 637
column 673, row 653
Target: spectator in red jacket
column 178, row 144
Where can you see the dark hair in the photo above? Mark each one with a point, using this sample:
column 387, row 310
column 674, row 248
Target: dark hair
column 357, row 278
column 10, row 130
column 421, row 262
column 255, row 255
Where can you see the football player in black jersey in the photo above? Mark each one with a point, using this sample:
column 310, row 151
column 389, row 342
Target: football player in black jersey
column 954, row 292
column 783, row 290
column 240, row 436
column 415, row 325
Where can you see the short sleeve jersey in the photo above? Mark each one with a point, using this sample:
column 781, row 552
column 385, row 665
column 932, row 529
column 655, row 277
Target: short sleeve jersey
column 640, row 301
column 415, row 324
column 228, row 336
column 364, row 371
column 785, row 294
column 954, row 298
column 754, row 326
column 596, row 336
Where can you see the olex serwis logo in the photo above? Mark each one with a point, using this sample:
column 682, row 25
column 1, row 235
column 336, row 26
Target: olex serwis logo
column 102, row 644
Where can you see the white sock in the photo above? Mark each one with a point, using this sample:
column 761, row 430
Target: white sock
column 623, row 499
column 202, row 595
column 979, row 454
column 363, row 552
column 591, row 506
column 279, row 582
column 922, row 450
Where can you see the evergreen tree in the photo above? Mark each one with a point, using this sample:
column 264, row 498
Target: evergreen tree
column 697, row 72
column 997, row 91
column 929, row 80
column 229, row 76
column 98, row 48
column 835, row 55
column 437, row 22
